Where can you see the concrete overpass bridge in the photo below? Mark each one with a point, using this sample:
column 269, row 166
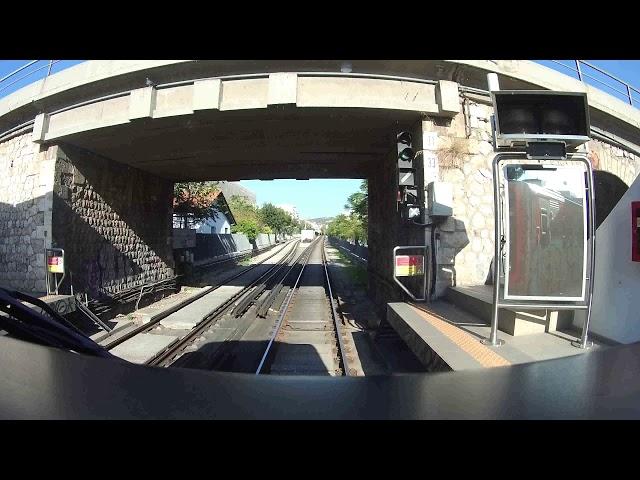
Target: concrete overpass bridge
column 88, row 156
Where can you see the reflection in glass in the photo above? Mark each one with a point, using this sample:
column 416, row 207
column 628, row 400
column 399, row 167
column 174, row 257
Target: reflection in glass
column 545, row 226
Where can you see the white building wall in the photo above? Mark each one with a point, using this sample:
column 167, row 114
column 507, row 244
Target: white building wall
column 616, row 296
column 220, row 224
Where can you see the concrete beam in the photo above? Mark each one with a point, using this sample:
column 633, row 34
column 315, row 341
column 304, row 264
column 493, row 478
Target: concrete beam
column 447, row 97
column 84, row 74
column 244, row 94
column 40, row 127
column 79, row 82
column 206, row 95
column 142, row 103
column 283, row 88
column 345, row 92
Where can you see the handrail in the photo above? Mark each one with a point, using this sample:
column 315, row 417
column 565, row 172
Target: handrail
column 628, row 91
column 48, row 66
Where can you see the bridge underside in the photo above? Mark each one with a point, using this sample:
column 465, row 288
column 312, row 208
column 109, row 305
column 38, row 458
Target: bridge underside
column 278, row 142
column 112, row 194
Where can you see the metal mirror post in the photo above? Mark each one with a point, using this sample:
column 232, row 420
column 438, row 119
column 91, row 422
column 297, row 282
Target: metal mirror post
column 563, row 293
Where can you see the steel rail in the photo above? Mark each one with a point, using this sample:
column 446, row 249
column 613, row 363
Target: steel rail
column 241, row 327
column 164, row 358
column 239, row 256
column 243, row 305
column 334, row 313
column 181, row 305
column 283, row 310
column 275, row 290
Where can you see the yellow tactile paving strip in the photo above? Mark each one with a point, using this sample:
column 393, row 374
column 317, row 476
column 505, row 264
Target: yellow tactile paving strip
column 481, row 353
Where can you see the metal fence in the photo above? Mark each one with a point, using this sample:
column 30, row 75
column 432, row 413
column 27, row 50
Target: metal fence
column 27, row 70
column 584, row 70
column 360, row 251
column 581, row 69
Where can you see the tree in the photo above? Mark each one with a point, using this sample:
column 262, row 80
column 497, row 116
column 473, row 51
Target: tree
column 353, row 227
column 276, row 218
column 243, row 210
column 358, row 203
column 250, row 228
column 195, row 200
column 347, row 227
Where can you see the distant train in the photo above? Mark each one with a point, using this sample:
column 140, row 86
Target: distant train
column 307, row 235
column 546, row 251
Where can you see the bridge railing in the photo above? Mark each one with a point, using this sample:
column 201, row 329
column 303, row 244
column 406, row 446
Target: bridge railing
column 584, row 70
column 581, row 69
column 25, row 71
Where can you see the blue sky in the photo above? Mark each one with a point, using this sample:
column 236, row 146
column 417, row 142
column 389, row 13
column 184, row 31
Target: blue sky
column 313, row 198
column 322, row 198
column 16, row 82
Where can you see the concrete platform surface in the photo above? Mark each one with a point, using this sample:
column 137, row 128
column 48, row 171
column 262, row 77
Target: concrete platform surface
column 189, row 316
column 454, row 335
column 518, row 349
column 143, row 347
column 478, row 299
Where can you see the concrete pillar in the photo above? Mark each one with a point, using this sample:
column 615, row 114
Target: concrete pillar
column 283, row 88
column 40, row 127
column 142, row 103
column 447, row 97
column 206, row 95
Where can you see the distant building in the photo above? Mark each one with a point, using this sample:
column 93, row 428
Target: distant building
column 290, row 209
column 222, row 222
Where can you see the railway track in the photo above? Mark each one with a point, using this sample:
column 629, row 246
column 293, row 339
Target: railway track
column 308, row 338
column 117, row 338
column 285, row 321
column 210, row 341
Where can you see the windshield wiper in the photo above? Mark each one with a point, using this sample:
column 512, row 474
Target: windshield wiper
column 44, row 328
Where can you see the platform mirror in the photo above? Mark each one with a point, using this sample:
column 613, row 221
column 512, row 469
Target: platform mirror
column 545, row 225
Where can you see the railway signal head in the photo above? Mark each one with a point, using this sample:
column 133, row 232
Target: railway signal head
column 406, row 154
column 524, row 117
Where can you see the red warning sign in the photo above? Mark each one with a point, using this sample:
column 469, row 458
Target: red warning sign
column 409, row 265
column 55, row 264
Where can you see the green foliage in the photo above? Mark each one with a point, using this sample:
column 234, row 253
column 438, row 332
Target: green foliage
column 195, row 200
column 357, row 273
column 250, row 228
column 349, row 228
column 243, row 210
column 357, row 203
column 353, row 227
column 278, row 220
column 269, row 219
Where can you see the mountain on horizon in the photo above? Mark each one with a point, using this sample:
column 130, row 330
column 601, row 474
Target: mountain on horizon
column 321, row 221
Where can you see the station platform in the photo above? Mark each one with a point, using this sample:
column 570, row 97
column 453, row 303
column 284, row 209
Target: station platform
column 453, row 334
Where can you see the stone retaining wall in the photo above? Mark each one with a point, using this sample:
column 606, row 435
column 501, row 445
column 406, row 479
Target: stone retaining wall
column 465, row 154
column 26, row 180
column 113, row 221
